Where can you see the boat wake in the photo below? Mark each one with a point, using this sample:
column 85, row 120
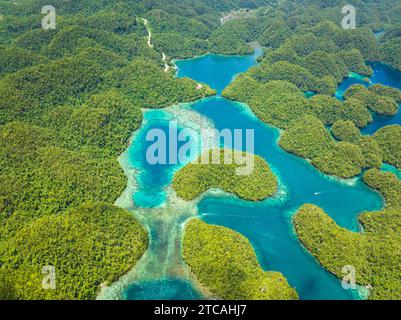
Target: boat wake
column 320, row 193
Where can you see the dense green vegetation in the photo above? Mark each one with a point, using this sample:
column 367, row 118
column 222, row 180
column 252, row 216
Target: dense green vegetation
column 179, row 46
column 282, row 104
column 355, row 111
column 310, row 52
column 379, row 99
column 28, row 93
column 389, row 139
column 344, row 160
column 257, row 183
column 231, row 38
column 328, row 109
column 70, row 99
column 371, row 151
column 14, row 58
column 348, row 132
column 308, row 27
column 88, row 246
column 286, row 102
column 225, row 262
column 105, row 121
column 318, row 60
column 164, row 22
column 283, row 70
column 386, row 91
column 72, row 38
column 391, row 52
column 307, row 137
column 39, row 177
column 145, row 83
column 345, row 131
column 374, row 253
column 387, row 184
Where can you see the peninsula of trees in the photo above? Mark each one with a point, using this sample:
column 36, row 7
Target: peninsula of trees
column 374, row 253
column 196, row 178
column 70, row 99
column 225, row 262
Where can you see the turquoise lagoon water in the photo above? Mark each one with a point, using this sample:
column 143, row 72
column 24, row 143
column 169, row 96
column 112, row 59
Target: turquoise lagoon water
column 152, row 179
column 392, row 169
column 164, row 289
column 268, row 224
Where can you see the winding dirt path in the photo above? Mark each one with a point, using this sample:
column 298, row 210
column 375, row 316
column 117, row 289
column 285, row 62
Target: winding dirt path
column 164, row 57
column 146, row 24
column 166, row 66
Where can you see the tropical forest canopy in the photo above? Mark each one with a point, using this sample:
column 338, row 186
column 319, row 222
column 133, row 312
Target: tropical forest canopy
column 70, row 98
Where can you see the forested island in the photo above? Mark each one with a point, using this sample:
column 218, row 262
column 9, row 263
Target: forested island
column 71, row 99
column 326, row 132
column 225, row 262
column 283, row 76
column 196, row 178
column 376, row 248
column 374, row 252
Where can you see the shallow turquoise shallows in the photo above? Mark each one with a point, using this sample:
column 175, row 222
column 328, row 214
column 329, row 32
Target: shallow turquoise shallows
column 152, row 179
column 268, row 224
column 164, row 289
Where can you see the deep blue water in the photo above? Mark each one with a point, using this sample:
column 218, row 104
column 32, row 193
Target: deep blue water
column 268, row 224
column 382, row 74
column 216, row 70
